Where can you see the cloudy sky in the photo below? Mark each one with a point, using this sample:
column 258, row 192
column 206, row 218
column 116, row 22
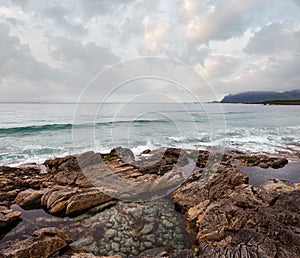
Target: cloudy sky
column 50, row 50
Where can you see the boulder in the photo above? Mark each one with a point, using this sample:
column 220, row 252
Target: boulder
column 85, row 200
column 43, row 243
column 70, row 201
column 125, row 154
column 30, row 199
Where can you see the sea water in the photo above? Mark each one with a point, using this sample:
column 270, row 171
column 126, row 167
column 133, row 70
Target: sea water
column 34, row 132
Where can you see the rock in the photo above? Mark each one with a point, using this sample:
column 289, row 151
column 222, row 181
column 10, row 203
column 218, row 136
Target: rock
column 55, row 199
column 85, row 200
column 233, row 218
column 147, row 228
column 16, row 179
column 125, row 154
column 7, row 216
column 68, row 163
column 146, row 151
column 43, row 243
column 115, row 247
column 281, row 185
column 87, row 255
column 30, row 199
column 153, row 253
column 262, row 161
column 72, row 201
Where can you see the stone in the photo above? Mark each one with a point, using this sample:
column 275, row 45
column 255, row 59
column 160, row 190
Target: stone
column 43, row 243
column 55, row 199
column 233, row 218
column 30, row 199
column 85, row 200
column 125, row 154
column 72, row 201
column 115, row 247
column 147, row 228
column 89, row 255
column 8, row 216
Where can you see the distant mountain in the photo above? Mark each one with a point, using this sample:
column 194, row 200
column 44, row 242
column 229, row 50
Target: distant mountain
column 261, row 96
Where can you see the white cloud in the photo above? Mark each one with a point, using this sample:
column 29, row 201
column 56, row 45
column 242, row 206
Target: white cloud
column 218, row 66
column 155, row 34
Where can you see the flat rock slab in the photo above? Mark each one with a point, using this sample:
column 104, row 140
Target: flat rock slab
column 41, row 244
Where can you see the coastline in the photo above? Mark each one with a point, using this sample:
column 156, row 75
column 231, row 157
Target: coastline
column 269, row 102
column 64, row 197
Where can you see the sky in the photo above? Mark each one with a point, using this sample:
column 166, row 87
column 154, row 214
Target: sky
column 52, row 50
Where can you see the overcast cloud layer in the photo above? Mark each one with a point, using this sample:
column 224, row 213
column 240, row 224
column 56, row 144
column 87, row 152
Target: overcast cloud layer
column 49, row 50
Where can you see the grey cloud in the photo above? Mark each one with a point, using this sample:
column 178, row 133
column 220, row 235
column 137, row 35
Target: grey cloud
column 276, row 74
column 59, row 14
column 16, row 60
column 85, row 60
column 91, row 8
column 274, row 38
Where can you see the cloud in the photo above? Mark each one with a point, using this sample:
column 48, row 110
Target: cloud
column 218, row 66
column 60, row 15
column 155, row 34
column 273, row 39
column 224, row 20
column 87, row 59
column 267, row 74
column 91, row 8
column 16, row 60
column 57, row 47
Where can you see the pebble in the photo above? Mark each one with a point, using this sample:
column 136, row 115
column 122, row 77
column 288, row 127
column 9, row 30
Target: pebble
column 115, row 247
column 130, row 229
column 147, row 228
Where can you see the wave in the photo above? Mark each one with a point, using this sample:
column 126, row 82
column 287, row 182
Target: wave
column 35, row 128
column 58, row 127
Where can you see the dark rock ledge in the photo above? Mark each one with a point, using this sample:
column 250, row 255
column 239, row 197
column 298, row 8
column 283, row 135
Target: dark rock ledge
column 227, row 216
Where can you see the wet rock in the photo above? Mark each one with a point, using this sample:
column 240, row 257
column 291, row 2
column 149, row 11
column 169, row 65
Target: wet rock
column 70, row 201
column 226, row 213
column 30, row 199
column 147, row 228
column 86, row 199
column 262, row 161
column 16, row 179
column 68, row 163
column 278, row 185
column 42, row 243
column 125, row 154
column 163, row 254
column 88, row 255
column 55, row 199
column 7, row 216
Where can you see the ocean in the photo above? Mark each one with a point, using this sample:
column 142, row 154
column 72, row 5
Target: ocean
column 34, row 132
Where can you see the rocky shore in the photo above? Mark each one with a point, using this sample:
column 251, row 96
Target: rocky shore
column 164, row 203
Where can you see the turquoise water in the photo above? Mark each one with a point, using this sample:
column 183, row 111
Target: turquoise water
column 35, row 132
